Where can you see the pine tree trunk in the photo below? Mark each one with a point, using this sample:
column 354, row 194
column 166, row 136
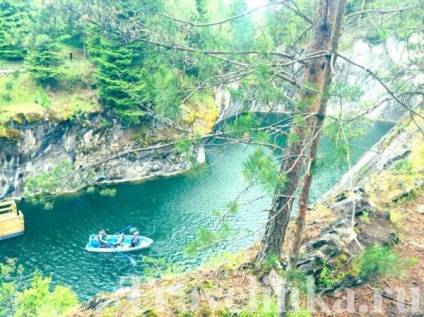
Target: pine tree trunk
column 84, row 48
column 317, row 124
column 295, row 154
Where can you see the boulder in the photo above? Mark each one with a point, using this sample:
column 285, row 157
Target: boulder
column 346, row 236
column 99, row 303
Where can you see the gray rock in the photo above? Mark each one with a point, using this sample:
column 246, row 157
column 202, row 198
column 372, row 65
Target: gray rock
column 155, row 167
column 356, row 201
column 70, row 143
column 194, row 300
column 419, row 183
column 341, row 236
column 392, row 147
column 416, row 245
column 43, row 145
column 173, row 289
column 100, row 303
column 87, row 137
column 405, row 193
column 420, row 209
column 29, row 142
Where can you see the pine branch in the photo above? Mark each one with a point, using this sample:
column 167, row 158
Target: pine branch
column 389, row 91
column 400, row 9
column 235, row 17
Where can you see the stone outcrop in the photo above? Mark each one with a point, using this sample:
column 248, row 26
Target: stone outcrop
column 384, row 155
column 98, row 147
column 389, row 172
column 386, row 57
column 358, row 226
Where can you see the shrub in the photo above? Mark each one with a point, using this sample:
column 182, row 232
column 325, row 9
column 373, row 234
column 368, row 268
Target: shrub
column 157, row 268
column 21, row 298
column 382, row 260
column 15, row 73
column 365, row 217
column 78, row 76
column 9, row 85
column 403, row 167
column 271, row 261
column 6, row 97
column 42, row 99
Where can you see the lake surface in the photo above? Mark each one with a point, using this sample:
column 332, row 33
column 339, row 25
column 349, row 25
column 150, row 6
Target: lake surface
column 168, row 210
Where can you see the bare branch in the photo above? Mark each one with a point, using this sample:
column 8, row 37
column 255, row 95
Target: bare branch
column 389, row 91
column 241, row 15
column 400, row 9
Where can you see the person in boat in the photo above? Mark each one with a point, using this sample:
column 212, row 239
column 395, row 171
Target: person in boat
column 102, row 237
column 136, row 239
column 119, row 239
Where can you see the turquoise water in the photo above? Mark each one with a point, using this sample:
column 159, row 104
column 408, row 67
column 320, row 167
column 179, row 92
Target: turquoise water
column 168, row 210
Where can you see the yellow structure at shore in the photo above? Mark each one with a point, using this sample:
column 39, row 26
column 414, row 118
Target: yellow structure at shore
column 11, row 220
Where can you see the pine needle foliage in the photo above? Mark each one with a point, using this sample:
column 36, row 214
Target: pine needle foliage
column 206, row 237
column 48, row 182
column 261, row 167
column 14, row 26
column 119, row 77
column 382, row 260
column 43, row 61
column 22, row 296
column 243, row 126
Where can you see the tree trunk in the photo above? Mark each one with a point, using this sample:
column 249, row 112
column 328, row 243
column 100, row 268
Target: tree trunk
column 307, row 107
column 317, row 124
column 84, row 48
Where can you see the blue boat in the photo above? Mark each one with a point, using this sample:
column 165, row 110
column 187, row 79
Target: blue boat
column 94, row 245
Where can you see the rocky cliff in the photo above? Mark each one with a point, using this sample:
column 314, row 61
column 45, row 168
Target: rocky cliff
column 359, row 91
column 389, row 174
column 98, row 147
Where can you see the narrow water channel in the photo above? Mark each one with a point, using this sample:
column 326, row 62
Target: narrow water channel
column 169, row 210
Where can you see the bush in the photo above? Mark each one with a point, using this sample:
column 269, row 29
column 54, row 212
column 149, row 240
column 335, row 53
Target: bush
column 42, row 99
column 19, row 298
column 15, row 73
column 8, row 85
column 6, row 97
column 403, row 166
column 382, row 260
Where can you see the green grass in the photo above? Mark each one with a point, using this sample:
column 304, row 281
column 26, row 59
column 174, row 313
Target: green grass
column 20, row 95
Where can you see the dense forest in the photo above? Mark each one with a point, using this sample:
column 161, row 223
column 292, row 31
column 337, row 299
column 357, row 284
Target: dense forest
column 159, row 68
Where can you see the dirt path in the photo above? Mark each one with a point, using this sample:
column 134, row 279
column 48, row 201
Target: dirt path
column 6, row 70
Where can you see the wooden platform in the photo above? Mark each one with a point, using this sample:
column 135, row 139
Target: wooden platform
column 11, row 220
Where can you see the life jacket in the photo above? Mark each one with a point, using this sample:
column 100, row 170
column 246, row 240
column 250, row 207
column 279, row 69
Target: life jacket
column 95, row 241
column 135, row 240
column 103, row 238
column 120, row 239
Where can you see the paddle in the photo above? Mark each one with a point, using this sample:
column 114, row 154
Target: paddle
column 127, row 227
column 126, row 257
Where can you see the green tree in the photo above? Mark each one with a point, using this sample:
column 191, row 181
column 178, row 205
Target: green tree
column 14, row 26
column 243, row 30
column 119, row 75
column 43, row 60
column 38, row 300
column 19, row 299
